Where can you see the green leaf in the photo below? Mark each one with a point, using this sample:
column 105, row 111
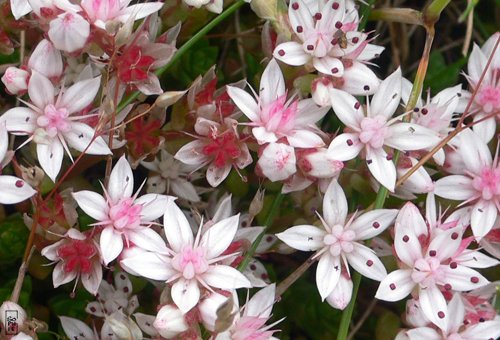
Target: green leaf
column 440, row 75
column 13, row 238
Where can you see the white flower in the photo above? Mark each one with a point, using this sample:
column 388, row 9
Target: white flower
column 124, row 218
column 191, row 263
column 339, row 242
column 49, row 121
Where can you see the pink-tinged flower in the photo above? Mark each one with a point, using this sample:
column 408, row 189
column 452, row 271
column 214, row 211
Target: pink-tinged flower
column 340, row 297
column 191, row 262
column 273, row 117
column 478, row 182
column 46, row 60
column 339, row 242
column 325, row 36
column 100, row 12
column 169, row 322
column 217, row 145
column 251, row 322
column 427, row 264
column 277, row 161
column 371, row 128
column 455, row 328
column 124, row 218
column 313, row 165
column 15, row 80
column 14, row 190
column 69, row 31
column 487, row 99
column 77, row 257
column 51, row 122
column 170, row 176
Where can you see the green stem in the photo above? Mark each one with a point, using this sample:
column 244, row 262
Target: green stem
column 186, row 47
column 433, row 11
column 267, row 223
column 364, row 13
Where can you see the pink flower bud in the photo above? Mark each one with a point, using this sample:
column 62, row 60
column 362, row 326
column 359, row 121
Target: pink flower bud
column 320, row 87
column 46, row 59
column 170, row 321
column 15, row 80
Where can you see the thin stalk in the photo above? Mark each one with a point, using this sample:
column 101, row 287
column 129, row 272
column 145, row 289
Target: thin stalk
column 186, row 47
column 267, row 223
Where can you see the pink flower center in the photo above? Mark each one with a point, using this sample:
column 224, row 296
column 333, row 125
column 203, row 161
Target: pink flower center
column 488, row 183
column 76, row 255
column 125, row 214
column 489, row 98
column 427, row 271
column 54, row 120
column 339, row 240
column 249, row 328
column 223, row 148
column 373, row 131
column 190, row 262
column 279, row 116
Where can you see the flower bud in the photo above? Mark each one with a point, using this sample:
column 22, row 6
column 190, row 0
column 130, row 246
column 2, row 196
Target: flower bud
column 257, row 203
column 265, row 9
column 33, row 175
column 320, row 164
column 15, row 80
column 170, row 321
column 319, row 88
column 166, row 99
column 341, row 295
column 12, row 317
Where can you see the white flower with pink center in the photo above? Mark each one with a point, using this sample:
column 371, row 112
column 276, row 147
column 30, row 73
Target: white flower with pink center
column 77, row 256
column 339, row 242
column 125, row 219
column 487, row 99
column 371, row 129
column 14, row 189
column 51, row 122
column 192, row 264
column 430, row 262
column 477, row 183
column 273, row 117
column 325, row 37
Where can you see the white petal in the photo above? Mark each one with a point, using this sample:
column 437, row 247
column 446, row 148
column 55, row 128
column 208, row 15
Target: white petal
column 264, row 136
column 139, row 11
column 19, row 120
column 176, row 226
column 402, row 283
column 80, row 95
column 460, row 278
column 111, row 244
column 225, row 277
column 484, row 214
column 303, row 237
column 372, row 223
column 347, row 108
column 219, row 236
column 359, row 80
column 153, row 206
column 381, row 168
column 434, row 305
column 69, row 32
column 455, row 187
column 245, row 102
column 150, row 265
column 408, row 137
column 217, row 174
column 365, row 261
column 291, row 53
column 191, row 153
column 46, row 59
column 148, row 239
column 342, row 294
column 446, row 243
column 50, row 157
column 475, row 259
column 121, row 181
column 81, row 135
column 334, row 205
column 388, row 96
column 92, row 204
column 456, row 314
column 305, row 139
column 272, row 84
column 40, row 90
column 345, row 147
column 76, row 329
column 327, row 274
column 60, row 276
column 19, row 8
column 308, row 113
column 184, row 189
column 92, row 280
column 278, row 161
column 261, row 303
column 484, row 330
column 485, row 129
column 408, row 227
column 300, row 16
column 185, row 294
column 14, row 190
column 329, row 65
column 426, row 333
